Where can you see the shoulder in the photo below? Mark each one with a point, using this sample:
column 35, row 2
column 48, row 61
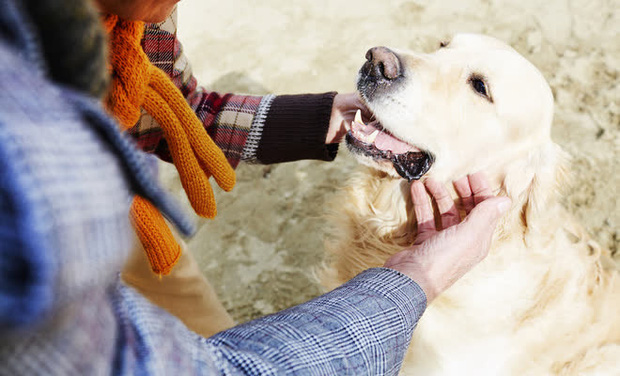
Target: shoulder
column 61, row 186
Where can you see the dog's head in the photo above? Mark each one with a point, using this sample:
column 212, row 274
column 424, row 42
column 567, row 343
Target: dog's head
column 471, row 105
column 474, row 104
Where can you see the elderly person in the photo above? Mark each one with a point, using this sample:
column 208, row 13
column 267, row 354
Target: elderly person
column 66, row 179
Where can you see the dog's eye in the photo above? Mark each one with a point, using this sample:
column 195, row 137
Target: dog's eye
column 444, row 43
column 479, row 86
column 477, row 83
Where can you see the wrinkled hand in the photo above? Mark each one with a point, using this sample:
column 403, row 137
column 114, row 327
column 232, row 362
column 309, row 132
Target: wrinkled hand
column 343, row 111
column 440, row 256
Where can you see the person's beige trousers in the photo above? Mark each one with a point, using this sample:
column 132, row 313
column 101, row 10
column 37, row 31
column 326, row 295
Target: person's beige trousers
column 185, row 292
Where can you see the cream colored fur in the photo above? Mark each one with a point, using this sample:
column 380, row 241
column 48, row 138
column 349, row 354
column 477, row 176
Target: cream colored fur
column 546, row 300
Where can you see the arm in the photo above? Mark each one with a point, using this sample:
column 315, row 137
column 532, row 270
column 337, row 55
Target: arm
column 264, row 129
column 361, row 328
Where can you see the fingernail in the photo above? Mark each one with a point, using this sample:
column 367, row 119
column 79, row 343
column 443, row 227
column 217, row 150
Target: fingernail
column 504, row 205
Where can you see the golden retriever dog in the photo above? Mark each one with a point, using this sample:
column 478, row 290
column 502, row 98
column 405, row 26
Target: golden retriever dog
column 546, row 301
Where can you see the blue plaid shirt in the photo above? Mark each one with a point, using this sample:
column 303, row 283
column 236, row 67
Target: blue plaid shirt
column 65, row 181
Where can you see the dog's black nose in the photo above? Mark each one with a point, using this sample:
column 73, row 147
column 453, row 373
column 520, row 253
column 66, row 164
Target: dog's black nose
column 382, row 63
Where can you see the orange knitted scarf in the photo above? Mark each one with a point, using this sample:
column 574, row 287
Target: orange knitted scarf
column 136, row 83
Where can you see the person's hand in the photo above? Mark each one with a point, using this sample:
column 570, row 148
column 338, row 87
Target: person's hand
column 343, row 112
column 440, row 256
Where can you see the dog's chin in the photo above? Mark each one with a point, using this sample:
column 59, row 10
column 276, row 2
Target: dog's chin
column 410, row 165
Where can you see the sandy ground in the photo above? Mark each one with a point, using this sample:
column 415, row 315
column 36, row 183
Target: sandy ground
column 260, row 251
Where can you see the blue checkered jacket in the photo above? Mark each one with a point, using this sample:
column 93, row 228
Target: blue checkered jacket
column 65, row 180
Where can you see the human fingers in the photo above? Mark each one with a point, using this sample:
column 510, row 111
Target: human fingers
column 464, row 191
column 349, row 103
column 480, row 224
column 479, row 185
column 356, row 104
column 343, row 112
column 422, row 208
column 445, row 204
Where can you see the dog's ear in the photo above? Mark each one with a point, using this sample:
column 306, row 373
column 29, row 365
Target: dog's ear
column 534, row 181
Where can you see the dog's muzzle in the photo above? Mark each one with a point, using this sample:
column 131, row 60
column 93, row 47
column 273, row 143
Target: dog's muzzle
column 381, row 71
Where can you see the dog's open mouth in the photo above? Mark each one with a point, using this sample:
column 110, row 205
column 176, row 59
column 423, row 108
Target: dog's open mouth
column 374, row 141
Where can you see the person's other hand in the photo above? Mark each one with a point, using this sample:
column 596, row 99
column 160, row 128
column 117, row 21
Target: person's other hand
column 440, row 256
column 343, row 112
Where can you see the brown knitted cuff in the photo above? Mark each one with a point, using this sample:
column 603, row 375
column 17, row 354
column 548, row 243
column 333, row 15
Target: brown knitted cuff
column 296, row 127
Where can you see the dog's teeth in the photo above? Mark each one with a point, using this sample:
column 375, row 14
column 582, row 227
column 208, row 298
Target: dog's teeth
column 358, row 117
column 372, row 137
column 360, row 136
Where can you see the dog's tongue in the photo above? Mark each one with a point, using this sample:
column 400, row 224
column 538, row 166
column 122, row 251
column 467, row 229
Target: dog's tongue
column 385, row 142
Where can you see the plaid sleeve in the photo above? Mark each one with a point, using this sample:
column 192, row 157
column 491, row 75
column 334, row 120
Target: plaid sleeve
column 227, row 118
column 362, row 328
column 263, row 129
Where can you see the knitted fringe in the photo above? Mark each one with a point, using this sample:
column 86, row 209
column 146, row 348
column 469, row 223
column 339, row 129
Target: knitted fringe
column 137, row 83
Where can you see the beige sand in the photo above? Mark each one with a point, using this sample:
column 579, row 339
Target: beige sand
column 260, row 250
